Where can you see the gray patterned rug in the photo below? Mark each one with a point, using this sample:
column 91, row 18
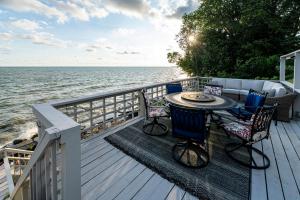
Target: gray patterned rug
column 222, row 178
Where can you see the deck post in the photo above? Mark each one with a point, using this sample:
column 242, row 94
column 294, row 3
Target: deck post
column 297, row 71
column 282, row 69
column 71, row 156
column 142, row 106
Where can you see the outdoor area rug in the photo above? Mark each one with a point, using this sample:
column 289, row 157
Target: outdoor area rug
column 222, row 178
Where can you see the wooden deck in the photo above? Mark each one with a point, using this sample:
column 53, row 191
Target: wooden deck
column 107, row 173
column 282, row 179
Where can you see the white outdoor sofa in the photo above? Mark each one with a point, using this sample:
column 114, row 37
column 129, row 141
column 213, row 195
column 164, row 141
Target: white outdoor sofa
column 238, row 89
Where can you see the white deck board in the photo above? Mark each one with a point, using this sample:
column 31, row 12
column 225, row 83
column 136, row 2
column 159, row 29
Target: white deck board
column 133, row 187
column 272, row 176
column 107, row 173
column 282, row 177
column 258, row 189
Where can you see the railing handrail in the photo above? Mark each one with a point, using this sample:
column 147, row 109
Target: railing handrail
column 66, row 102
column 44, row 142
column 289, row 55
column 55, row 123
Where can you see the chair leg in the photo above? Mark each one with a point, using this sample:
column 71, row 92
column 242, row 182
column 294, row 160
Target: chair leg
column 190, row 154
column 252, row 163
column 155, row 128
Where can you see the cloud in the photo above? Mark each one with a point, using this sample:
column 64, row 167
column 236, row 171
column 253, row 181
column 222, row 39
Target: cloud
column 176, row 9
column 5, row 50
column 73, row 10
column 6, row 36
column 123, row 31
column 26, row 24
column 100, row 43
column 36, row 7
column 182, row 10
column 136, row 8
column 128, row 52
column 44, row 38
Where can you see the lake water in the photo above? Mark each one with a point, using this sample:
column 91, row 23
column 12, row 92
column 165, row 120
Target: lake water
column 21, row 87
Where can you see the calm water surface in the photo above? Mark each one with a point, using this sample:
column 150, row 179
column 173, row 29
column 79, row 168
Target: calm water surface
column 21, row 87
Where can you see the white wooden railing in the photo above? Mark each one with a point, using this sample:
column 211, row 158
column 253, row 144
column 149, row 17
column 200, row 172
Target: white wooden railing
column 61, row 126
column 59, row 136
column 99, row 112
column 296, row 80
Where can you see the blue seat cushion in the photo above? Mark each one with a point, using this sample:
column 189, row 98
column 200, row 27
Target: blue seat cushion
column 173, row 88
column 241, row 113
column 253, row 102
column 181, row 133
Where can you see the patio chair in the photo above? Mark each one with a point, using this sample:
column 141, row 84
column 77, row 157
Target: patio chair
column 213, row 89
column 173, row 88
column 216, row 90
column 190, row 125
column 250, row 132
column 153, row 113
column 254, row 101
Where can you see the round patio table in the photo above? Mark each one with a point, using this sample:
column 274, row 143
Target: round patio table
column 200, row 101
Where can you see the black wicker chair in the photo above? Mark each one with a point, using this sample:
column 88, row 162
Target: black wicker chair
column 191, row 126
column 250, row 132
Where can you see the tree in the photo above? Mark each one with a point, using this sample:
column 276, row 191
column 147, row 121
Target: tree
column 238, row 38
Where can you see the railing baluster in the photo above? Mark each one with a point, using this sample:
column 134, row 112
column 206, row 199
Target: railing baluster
column 53, row 173
column 47, row 175
column 37, row 179
column 115, row 107
column 104, row 113
column 132, row 104
column 124, row 106
column 91, row 113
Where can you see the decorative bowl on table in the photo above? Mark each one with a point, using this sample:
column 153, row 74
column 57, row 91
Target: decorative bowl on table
column 197, row 97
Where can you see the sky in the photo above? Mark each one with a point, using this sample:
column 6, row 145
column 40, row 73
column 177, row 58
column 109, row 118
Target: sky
column 90, row 32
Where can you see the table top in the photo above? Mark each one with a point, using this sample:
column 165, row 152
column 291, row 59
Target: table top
column 220, row 102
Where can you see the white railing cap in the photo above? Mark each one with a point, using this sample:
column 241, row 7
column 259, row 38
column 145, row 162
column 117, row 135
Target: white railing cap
column 290, row 55
column 59, row 103
column 51, row 117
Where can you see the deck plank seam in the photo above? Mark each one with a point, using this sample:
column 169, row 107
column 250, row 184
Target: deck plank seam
column 129, row 182
column 291, row 141
column 169, row 192
column 142, row 186
column 277, row 168
column 99, row 157
column 106, row 169
column 133, row 167
column 280, row 137
column 265, row 173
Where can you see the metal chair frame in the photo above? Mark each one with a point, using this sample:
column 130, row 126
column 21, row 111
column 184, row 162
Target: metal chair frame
column 261, row 122
column 191, row 146
column 155, row 119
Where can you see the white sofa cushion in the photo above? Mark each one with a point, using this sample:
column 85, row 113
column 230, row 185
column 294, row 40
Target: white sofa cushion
column 274, row 89
column 268, row 85
column 271, row 93
column 218, row 81
column 252, row 84
column 279, row 90
column 244, row 92
column 231, row 91
column 233, row 84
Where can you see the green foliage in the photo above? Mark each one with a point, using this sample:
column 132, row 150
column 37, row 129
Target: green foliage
column 238, row 38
